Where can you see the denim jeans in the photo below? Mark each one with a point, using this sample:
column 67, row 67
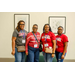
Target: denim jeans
column 58, row 56
column 47, row 57
column 33, row 54
column 19, row 56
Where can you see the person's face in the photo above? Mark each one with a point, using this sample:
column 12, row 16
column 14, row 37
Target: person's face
column 22, row 24
column 47, row 28
column 60, row 30
column 35, row 28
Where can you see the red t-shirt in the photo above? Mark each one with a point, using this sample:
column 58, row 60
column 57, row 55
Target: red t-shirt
column 49, row 37
column 60, row 42
column 30, row 40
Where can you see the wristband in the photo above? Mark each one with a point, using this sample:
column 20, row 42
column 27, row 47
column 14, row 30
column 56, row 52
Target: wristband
column 53, row 53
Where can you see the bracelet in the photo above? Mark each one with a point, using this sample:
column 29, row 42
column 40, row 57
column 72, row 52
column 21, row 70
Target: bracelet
column 53, row 53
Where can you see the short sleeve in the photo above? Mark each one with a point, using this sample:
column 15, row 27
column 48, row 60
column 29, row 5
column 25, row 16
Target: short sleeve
column 14, row 34
column 65, row 39
column 53, row 36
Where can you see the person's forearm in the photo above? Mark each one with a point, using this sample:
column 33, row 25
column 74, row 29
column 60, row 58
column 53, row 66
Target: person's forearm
column 13, row 45
column 26, row 46
column 54, row 47
column 65, row 48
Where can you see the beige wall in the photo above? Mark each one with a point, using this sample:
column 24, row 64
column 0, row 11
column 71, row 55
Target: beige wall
column 40, row 18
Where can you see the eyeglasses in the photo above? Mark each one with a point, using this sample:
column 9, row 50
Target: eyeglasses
column 59, row 29
column 46, row 27
column 35, row 28
column 22, row 24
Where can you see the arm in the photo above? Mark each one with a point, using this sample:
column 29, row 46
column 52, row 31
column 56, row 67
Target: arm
column 54, row 42
column 54, row 46
column 65, row 47
column 65, row 40
column 13, row 45
column 27, row 42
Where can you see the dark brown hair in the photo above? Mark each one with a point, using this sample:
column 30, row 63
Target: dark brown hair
column 60, row 27
column 44, row 28
column 18, row 25
column 35, row 25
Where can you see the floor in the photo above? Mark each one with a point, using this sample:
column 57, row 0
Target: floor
column 12, row 60
column 7, row 59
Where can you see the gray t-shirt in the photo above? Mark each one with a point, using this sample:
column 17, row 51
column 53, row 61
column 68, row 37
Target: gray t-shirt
column 20, row 36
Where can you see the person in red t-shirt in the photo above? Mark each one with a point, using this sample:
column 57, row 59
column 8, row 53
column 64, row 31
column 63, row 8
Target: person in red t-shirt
column 32, row 46
column 48, row 40
column 61, row 45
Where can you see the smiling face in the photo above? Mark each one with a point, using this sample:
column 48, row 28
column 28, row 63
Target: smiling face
column 22, row 25
column 46, row 28
column 35, row 28
column 60, row 30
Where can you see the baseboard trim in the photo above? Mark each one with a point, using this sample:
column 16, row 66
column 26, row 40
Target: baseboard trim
column 69, row 60
column 13, row 59
column 7, row 59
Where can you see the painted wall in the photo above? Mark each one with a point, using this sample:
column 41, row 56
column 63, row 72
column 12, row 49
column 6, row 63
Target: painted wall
column 40, row 18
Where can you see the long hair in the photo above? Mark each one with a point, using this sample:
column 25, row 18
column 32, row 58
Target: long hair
column 44, row 28
column 18, row 25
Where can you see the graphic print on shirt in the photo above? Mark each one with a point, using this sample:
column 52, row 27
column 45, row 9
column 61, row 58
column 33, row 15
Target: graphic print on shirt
column 58, row 39
column 21, row 34
column 46, row 36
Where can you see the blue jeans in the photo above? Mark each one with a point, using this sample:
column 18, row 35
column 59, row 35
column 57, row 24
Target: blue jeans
column 47, row 57
column 19, row 56
column 58, row 56
column 33, row 54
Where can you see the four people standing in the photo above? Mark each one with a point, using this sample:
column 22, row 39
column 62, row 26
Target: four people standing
column 31, row 41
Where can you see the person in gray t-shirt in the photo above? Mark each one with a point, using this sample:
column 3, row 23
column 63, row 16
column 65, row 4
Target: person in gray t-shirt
column 19, row 39
column 21, row 35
